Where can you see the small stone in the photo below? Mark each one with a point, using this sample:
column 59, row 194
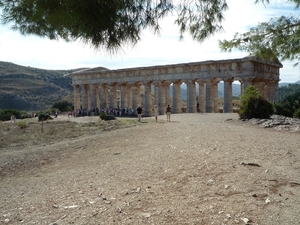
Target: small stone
column 245, row 220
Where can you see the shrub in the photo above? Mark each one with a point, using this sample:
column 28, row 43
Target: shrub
column 44, row 117
column 284, row 109
column 63, row 106
column 22, row 124
column 25, row 116
column 103, row 116
column 254, row 105
column 5, row 114
column 297, row 113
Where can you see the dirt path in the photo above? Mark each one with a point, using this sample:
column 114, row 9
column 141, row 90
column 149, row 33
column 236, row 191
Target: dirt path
column 196, row 169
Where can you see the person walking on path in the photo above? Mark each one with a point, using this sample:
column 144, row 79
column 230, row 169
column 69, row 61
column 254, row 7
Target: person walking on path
column 168, row 111
column 155, row 112
column 139, row 113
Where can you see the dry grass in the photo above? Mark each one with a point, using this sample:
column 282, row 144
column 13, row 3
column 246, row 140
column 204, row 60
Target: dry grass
column 18, row 136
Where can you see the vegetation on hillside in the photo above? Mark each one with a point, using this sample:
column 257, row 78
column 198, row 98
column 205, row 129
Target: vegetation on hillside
column 290, row 103
column 288, row 90
column 32, row 89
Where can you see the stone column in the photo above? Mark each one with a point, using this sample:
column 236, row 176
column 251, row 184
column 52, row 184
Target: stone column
column 201, row 96
column 76, row 97
column 161, row 99
column 191, row 96
column 123, row 96
column 156, row 85
column 247, row 83
column 97, row 97
column 266, row 91
column 215, row 96
column 136, row 93
column 92, row 97
column 209, row 102
column 166, row 87
column 242, row 88
column 129, row 96
column 84, row 96
column 103, row 96
column 148, row 99
column 176, row 108
column 227, row 108
column 113, row 95
column 273, row 91
column 261, row 87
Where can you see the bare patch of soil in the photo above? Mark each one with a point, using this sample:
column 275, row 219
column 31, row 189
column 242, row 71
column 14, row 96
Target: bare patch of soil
column 196, row 169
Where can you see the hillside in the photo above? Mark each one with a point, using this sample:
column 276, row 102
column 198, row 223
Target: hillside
column 32, row 89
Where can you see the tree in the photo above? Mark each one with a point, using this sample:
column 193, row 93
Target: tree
column 254, row 105
column 110, row 24
column 276, row 39
column 63, row 106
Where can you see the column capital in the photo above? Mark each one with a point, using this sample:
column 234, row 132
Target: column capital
column 146, row 82
column 176, row 81
column 189, row 81
column 229, row 79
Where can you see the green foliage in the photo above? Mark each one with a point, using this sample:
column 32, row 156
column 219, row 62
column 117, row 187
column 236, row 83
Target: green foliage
column 63, row 106
column 288, row 90
column 111, row 24
column 277, row 38
column 103, row 116
column 25, row 116
column 254, row 105
column 53, row 111
column 5, row 114
column 289, row 105
column 297, row 113
column 44, row 117
column 22, row 124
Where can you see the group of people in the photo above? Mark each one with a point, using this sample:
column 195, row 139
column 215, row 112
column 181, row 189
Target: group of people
column 139, row 111
column 119, row 112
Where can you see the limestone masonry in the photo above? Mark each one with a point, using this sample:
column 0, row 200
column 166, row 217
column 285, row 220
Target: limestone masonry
column 102, row 88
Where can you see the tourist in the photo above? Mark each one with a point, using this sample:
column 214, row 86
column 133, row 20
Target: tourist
column 198, row 107
column 155, row 112
column 168, row 111
column 139, row 112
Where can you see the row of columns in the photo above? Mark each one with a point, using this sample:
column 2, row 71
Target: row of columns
column 90, row 96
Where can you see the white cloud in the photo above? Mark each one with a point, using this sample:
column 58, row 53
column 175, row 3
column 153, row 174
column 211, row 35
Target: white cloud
column 152, row 50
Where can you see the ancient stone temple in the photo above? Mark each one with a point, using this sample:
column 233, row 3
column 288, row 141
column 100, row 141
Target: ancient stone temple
column 127, row 88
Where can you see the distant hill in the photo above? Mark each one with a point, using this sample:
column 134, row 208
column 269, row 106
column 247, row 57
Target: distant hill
column 32, row 89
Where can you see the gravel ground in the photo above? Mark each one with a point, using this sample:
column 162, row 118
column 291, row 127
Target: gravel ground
column 196, row 169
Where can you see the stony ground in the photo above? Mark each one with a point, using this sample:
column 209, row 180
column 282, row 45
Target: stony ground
column 196, row 169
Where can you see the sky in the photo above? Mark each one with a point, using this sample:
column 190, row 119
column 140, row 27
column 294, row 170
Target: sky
column 152, row 50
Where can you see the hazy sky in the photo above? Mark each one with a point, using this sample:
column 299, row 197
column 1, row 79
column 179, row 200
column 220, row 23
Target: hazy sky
column 152, row 50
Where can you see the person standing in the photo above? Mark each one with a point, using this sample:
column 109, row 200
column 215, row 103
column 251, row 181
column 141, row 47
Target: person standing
column 155, row 112
column 139, row 112
column 168, row 111
column 198, row 107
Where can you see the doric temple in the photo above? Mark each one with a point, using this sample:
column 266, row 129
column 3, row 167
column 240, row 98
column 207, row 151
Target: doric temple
column 127, row 88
